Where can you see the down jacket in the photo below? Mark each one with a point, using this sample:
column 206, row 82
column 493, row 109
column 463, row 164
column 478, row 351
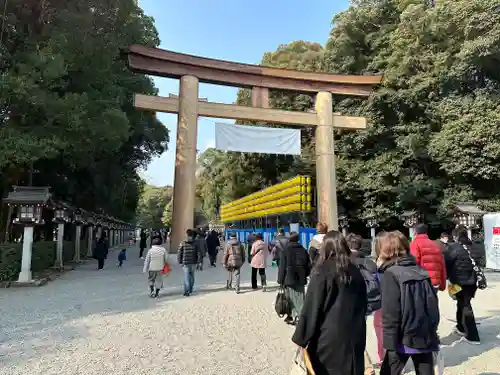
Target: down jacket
column 234, row 254
column 430, row 257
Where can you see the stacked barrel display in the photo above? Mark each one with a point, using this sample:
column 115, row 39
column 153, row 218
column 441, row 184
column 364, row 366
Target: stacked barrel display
column 294, row 195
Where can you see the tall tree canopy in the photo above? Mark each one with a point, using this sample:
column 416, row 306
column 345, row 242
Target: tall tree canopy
column 154, row 210
column 66, row 108
column 430, row 140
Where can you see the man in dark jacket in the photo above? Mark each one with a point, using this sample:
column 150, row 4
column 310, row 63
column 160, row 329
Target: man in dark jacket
column 443, row 241
column 250, row 241
column 202, row 244
column 278, row 245
column 212, row 244
column 188, row 256
column 294, row 268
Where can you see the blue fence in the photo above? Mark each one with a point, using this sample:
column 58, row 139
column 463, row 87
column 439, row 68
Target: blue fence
column 306, row 234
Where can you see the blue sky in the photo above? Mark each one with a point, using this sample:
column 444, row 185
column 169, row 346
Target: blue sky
column 236, row 30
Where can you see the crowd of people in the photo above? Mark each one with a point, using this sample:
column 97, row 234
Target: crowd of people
column 332, row 287
column 400, row 288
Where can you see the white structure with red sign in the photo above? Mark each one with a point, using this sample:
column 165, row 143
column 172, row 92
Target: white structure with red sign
column 491, row 225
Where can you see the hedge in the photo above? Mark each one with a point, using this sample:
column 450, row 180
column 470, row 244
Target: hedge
column 43, row 257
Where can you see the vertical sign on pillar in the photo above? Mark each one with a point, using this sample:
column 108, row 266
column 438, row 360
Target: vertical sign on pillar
column 325, row 162
column 185, row 160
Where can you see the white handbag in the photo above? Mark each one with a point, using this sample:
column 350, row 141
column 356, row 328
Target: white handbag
column 299, row 365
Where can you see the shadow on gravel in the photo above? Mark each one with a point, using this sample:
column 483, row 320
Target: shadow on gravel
column 40, row 322
column 456, row 351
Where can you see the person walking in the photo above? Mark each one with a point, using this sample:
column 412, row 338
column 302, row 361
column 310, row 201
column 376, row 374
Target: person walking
column 213, row 243
column 410, row 309
column 368, row 269
column 259, row 254
column 143, row 237
column 101, row 252
column 294, row 268
column 278, row 245
column 429, row 256
column 202, row 244
column 332, row 323
column 317, row 240
column 234, row 257
column 188, row 256
column 443, row 241
column 156, row 259
column 461, row 272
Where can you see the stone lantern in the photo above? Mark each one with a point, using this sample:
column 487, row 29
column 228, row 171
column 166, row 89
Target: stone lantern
column 79, row 221
column 344, row 224
column 468, row 215
column 372, row 223
column 61, row 217
column 410, row 220
column 29, row 202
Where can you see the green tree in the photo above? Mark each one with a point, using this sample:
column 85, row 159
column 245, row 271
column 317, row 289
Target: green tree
column 152, row 206
column 66, row 106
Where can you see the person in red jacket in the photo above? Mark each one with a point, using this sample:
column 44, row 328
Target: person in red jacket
column 429, row 256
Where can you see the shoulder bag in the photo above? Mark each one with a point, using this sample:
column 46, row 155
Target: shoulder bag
column 480, row 278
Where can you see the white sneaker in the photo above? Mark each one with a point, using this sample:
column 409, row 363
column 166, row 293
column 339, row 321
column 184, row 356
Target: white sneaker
column 471, row 342
column 458, row 332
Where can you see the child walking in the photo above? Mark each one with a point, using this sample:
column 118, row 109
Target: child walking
column 122, row 256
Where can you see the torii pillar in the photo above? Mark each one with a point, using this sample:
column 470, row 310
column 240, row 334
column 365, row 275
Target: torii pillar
column 185, row 160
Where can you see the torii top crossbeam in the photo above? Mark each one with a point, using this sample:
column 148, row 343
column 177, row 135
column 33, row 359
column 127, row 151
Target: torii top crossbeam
column 170, row 64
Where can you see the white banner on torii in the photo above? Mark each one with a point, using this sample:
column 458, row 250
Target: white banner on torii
column 258, row 139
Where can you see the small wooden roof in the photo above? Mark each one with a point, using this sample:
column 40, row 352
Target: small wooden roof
column 28, row 195
column 467, row 209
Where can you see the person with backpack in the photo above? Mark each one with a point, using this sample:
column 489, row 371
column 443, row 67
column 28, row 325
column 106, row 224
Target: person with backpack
column 278, row 245
column 410, row 310
column 368, row 270
column 234, row 257
column 293, row 271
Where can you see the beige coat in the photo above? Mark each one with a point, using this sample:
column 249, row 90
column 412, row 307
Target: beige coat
column 259, row 252
column 156, row 259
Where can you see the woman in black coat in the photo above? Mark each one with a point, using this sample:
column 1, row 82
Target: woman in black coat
column 294, row 268
column 101, row 252
column 460, row 271
column 332, row 324
column 142, row 243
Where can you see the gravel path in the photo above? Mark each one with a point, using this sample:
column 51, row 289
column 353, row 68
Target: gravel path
column 91, row 322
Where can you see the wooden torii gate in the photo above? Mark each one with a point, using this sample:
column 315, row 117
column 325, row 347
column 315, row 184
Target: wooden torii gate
column 193, row 69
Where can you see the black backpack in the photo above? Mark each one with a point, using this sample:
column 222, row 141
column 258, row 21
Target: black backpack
column 372, row 289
